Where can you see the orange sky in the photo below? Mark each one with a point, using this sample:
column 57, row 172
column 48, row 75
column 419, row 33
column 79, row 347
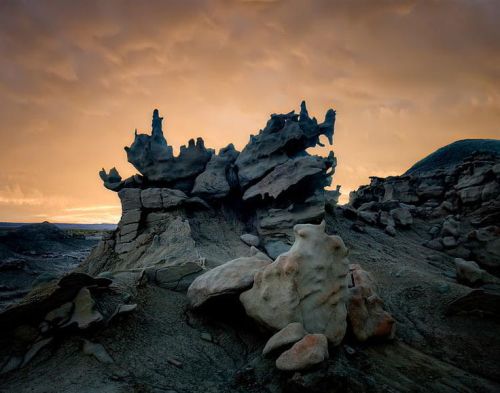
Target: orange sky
column 76, row 78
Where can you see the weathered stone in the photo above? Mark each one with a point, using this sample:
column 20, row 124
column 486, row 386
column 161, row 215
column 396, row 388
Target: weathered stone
column 433, row 191
column 126, row 229
column 250, row 239
column 470, row 194
column 112, row 180
column 496, row 169
column 284, row 136
column 277, row 224
column 151, row 198
column 402, row 216
column 154, row 158
column 172, row 198
column 213, row 181
column 308, row 352
column 60, row 315
column 449, row 242
column 174, row 277
column 286, row 337
column 35, row 348
column 470, row 180
column 390, row 230
column 130, row 217
column 451, row 227
column 230, row 278
column 96, row 350
column 308, row 284
column 490, row 190
column 289, row 174
column 365, row 312
column 478, row 301
column 385, row 219
column 435, row 244
column 84, row 313
column 468, row 271
column 130, row 198
column 368, row 217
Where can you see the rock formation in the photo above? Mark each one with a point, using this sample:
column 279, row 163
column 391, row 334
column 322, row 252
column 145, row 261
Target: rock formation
column 460, row 201
column 307, row 284
column 272, row 185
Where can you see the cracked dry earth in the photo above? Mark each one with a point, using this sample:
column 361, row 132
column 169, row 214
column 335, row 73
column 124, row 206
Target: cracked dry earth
column 164, row 347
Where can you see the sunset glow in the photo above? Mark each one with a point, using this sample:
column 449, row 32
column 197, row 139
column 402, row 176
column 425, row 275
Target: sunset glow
column 76, row 79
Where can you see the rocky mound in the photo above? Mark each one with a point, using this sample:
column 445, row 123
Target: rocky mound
column 461, row 204
column 450, row 155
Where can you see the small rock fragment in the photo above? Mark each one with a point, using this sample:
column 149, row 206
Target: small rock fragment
column 96, row 350
column 250, row 239
column 285, row 337
column 174, row 362
column 310, row 351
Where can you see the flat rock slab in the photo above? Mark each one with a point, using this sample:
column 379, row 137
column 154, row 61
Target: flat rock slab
column 174, row 277
column 308, row 352
column 232, row 277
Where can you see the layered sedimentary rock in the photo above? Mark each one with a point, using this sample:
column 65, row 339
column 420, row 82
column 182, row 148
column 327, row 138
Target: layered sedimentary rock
column 272, row 185
column 308, row 284
column 461, row 201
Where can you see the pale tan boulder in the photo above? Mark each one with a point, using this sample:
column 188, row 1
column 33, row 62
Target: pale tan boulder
column 367, row 317
column 232, row 277
column 308, row 352
column 307, row 284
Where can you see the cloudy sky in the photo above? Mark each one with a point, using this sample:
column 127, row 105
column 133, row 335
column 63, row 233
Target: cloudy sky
column 77, row 77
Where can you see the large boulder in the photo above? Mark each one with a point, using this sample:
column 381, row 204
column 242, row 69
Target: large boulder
column 232, row 277
column 308, row 284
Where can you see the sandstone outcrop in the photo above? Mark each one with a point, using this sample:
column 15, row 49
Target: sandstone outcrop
column 307, row 284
